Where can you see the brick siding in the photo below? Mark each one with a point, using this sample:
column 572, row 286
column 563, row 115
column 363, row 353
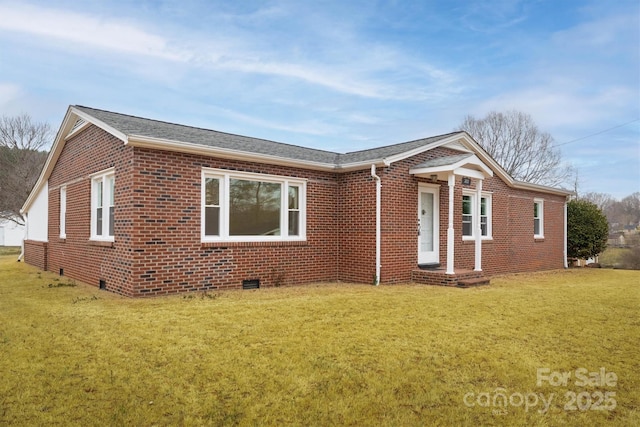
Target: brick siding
column 513, row 247
column 157, row 247
column 35, row 253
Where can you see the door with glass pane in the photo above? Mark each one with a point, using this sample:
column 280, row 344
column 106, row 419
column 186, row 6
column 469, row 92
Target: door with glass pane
column 428, row 226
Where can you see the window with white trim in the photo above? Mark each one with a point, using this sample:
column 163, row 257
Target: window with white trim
column 467, row 215
column 63, row 212
column 538, row 218
column 249, row 207
column 472, row 215
column 102, row 205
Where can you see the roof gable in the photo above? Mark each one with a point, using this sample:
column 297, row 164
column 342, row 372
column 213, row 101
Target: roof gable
column 155, row 134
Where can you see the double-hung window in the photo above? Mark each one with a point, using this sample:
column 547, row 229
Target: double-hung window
column 102, row 205
column 467, row 215
column 538, row 218
column 63, row 212
column 249, row 207
column 472, row 215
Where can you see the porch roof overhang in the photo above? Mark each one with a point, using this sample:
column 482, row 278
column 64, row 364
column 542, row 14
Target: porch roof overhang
column 467, row 164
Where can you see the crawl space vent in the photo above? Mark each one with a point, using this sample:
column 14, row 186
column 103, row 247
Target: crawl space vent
column 251, row 284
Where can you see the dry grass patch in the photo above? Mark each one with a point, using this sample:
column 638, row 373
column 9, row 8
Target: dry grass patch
column 323, row 355
column 10, row 250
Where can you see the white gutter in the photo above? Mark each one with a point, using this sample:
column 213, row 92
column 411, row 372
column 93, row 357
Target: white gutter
column 376, row 279
column 564, row 252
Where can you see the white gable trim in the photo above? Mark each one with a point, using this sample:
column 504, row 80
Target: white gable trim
column 67, row 124
column 66, row 132
column 460, row 167
column 105, row 127
column 467, row 141
column 422, row 149
column 459, row 141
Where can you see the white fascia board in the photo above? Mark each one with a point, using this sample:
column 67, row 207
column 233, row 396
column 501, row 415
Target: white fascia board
column 77, row 130
column 485, row 158
column 422, row 149
column 89, row 118
column 349, row 167
column 542, row 188
column 458, row 168
column 58, row 144
column 469, row 172
column 474, row 160
column 225, row 153
column 387, row 161
column 488, row 160
column 70, row 118
column 458, row 146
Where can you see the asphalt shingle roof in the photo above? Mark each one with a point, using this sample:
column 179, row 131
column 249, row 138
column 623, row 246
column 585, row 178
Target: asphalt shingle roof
column 443, row 161
column 132, row 125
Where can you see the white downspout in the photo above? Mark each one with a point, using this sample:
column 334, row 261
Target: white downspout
column 24, row 236
column 376, row 279
column 564, row 253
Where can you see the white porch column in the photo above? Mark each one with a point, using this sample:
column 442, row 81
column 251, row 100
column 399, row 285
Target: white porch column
column 450, row 236
column 478, row 264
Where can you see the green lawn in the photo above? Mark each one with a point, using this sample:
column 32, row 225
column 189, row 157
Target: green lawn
column 321, row 355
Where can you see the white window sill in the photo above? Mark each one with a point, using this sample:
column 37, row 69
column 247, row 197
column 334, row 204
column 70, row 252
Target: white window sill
column 102, row 243
column 236, row 243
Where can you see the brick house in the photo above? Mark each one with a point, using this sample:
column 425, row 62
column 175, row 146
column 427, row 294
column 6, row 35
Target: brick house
column 142, row 207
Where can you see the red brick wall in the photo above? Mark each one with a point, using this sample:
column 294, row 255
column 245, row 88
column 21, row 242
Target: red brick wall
column 357, row 227
column 158, row 249
column 400, row 217
column 35, row 253
column 166, row 244
column 513, row 247
column 91, row 151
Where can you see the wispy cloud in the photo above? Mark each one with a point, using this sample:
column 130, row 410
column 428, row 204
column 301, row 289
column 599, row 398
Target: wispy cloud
column 494, row 16
column 368, row 73
column 308, row 127
column 83, row 29
column 558, row 106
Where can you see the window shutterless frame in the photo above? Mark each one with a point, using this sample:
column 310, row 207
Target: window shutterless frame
column 251, row 207
column 471, row 215
column 63, row 212
column 538, row 218
column 103, row 205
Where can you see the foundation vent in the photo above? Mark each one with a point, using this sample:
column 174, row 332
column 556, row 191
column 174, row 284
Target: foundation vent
column 251, row 284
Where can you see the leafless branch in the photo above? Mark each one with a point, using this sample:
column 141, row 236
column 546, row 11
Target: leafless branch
column 516, row 143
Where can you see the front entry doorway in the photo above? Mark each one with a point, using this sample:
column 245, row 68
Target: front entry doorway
column 428, row 225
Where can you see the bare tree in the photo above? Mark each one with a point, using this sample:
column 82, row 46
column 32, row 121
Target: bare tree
column 22, row 155
column 604, row 201
column 630, row 206
column 516, row 143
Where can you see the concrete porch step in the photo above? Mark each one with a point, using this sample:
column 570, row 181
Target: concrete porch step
column 479, row 281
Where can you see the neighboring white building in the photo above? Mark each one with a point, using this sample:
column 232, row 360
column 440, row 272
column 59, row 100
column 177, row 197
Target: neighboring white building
column 11, row 234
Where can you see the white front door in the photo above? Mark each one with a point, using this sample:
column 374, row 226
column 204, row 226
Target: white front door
column 428, row 225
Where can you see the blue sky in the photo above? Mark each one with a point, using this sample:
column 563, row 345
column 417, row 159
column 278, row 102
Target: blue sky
column 340, row 75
